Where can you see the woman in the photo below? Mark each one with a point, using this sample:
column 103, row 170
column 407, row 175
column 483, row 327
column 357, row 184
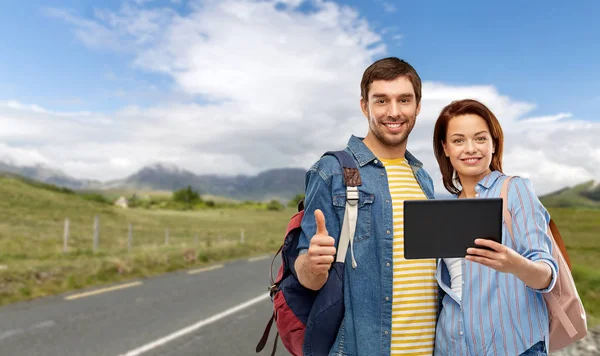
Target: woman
column 493, row 303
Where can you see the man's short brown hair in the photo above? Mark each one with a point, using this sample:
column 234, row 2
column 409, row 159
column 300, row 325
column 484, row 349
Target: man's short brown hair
column 388, row 69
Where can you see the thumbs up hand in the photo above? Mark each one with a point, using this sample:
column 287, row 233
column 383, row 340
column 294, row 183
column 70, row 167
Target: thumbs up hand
column 321, row 250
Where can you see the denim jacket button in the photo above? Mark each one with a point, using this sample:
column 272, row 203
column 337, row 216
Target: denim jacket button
column 387, row 232
column 387, row 298
column 386, row 332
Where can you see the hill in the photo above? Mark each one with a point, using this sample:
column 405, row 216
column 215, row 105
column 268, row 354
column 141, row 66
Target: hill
column 584, row 195
column 46, row 174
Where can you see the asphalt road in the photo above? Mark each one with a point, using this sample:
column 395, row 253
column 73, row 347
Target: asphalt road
column 218, row 311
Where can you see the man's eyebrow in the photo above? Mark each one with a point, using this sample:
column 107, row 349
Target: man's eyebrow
column 381, row 95
column 377, row 95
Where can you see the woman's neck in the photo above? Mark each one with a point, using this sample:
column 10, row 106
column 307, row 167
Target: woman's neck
column 468, row 191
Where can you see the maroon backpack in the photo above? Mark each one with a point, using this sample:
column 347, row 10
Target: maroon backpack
column 308, row 321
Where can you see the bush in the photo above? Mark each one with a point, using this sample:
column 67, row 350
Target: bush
column 187, row 196
column 275, row 205
column 210, row 203
column 96, row 197
column 295, row 200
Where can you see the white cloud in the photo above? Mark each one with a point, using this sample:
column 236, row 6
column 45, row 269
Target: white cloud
column 273, row 87
column 398, row 39
column 89, row 32
column 389, row 7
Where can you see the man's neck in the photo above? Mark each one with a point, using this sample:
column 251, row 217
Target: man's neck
column 382, row 151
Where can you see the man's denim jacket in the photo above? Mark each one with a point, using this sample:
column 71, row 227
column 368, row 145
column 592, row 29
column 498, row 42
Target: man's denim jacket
column 366, row 328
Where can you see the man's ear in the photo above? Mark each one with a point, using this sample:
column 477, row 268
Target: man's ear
column 418, row 108
column 364, row 106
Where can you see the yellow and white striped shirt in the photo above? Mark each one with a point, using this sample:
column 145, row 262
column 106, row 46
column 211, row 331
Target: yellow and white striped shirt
column 414, row 304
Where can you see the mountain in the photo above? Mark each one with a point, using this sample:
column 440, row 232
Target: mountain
column 582, row 195
column 281, row 184
column 159, row 176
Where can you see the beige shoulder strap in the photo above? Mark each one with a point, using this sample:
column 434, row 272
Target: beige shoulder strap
column 505, row 211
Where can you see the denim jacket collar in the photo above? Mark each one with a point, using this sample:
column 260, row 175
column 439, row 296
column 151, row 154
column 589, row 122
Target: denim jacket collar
column 364, row 155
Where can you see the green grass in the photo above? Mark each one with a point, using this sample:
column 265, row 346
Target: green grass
column 32, row 220
column 32, row 263
column 580, row 230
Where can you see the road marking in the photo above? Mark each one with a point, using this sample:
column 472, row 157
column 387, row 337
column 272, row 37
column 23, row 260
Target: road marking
column 259, row 258
column 10, row 333
column 43, row 324
column 103, row 290
column 194, row 271
column 198, row 325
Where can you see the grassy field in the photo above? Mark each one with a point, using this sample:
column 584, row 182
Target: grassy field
column 32, row 263
column 32, row 221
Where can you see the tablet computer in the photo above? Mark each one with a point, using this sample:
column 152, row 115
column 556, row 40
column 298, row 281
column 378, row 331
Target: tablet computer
column 447, row 227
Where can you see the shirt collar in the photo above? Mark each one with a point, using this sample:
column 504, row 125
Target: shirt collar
column 490, row 179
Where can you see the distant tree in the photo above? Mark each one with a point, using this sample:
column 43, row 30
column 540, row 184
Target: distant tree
column 134, row 201
column 275, row 205
column 210, row 203
column 295, row 200
column 187, row 195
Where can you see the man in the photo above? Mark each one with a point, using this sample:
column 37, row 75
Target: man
column 390, row 302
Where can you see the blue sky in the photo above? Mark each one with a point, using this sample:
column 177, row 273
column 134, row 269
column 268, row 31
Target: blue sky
column 200, row 83
column 540, row 51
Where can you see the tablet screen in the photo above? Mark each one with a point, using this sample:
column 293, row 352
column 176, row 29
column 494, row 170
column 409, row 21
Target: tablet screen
column 445, row 228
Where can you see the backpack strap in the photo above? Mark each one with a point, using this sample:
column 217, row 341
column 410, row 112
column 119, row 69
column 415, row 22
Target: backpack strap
column 560, row 243
column 352, row 180
column 505, row 212
column 263, row 340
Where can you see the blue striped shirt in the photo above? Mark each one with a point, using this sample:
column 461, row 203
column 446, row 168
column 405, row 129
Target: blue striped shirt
column 498, row 314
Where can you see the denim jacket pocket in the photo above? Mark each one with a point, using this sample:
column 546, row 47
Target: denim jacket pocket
column 365, row 204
